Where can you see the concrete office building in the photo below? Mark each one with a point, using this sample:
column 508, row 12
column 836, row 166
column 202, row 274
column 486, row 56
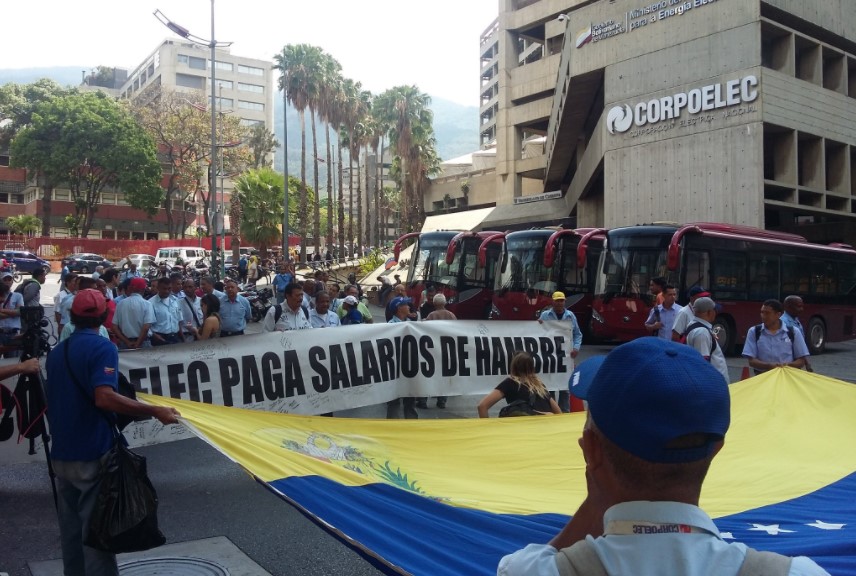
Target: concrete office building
column 740, row 111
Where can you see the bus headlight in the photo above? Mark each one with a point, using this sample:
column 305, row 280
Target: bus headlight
column 597, row 317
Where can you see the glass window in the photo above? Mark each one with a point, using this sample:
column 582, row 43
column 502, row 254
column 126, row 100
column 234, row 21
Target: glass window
column 763, row 276
column 183, row 59
column 223, row 102
column 250, row 70
column 824, row 279
column 227, row 84
column 227, row 66
column 251, row 88
column 197, row 63
column 847, row 274
column 796, row 275
column 190, row 81
column 248, row 122
column 243, row 104
column 729, row 275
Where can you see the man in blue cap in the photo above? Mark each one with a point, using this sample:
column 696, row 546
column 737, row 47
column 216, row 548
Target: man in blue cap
column 658, row 414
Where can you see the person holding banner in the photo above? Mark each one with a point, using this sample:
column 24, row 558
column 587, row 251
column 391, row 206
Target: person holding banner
column 561, row 313
column 523, row 384
column 235, row 310
column 401, row 310
column 191, row 311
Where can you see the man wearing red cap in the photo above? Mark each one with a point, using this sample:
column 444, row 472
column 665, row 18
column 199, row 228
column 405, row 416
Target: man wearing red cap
column 82, row 396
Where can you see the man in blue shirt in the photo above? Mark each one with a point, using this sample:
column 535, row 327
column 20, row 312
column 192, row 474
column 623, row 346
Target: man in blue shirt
column 242, row 269
column 166, row 327
column 82, row 396
column 650, row 436
column 235, row 311
column 282, row 279
column 134, row 317
column 773, row 345
column 559, row 312
column 662, row 316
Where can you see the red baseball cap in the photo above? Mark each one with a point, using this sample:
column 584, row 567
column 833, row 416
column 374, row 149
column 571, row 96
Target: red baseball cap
column 138, row 284
column 89, row 303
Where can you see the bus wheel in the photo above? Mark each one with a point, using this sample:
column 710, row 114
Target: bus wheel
column 816, row 336
column 724, row 330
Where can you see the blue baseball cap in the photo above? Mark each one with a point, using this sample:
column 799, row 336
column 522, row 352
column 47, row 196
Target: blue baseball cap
column 647, row 393
column 398, row 301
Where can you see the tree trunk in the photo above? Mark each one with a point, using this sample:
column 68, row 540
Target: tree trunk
column 330, row 206
column 350, row 251
column 341, row 203
column 47, row 207
column 378, row 187
column 316, row 226
column 404, row 215
column 303, row 200
column 360, row 240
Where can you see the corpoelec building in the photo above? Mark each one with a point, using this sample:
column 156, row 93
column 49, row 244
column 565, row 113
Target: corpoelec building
column 740, row 111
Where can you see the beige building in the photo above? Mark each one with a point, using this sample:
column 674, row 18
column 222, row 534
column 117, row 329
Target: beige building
column 740, row 111
column 244, row 85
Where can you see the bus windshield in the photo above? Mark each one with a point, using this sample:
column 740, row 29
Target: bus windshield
column 629, row 263
column 430, row 264
column 523, row 268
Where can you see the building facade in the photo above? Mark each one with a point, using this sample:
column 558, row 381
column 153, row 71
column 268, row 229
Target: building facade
column 739, row 111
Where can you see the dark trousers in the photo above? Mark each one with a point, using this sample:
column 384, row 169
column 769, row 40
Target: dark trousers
column 165, row 339
column 393, row 408
column 227, row 333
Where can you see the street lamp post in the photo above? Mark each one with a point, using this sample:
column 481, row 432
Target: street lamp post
column 212, row 174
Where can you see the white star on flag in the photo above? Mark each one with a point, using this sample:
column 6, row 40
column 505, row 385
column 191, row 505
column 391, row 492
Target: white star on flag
column 771, row 529
column 826, row 525
column 726, row 536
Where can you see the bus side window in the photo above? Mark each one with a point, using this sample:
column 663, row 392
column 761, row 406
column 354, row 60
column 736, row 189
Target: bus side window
column 847, row 273
column 763, row 276
column 796, row 275
column 824, row 278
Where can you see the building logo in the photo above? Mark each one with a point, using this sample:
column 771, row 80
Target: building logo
column 666, row 110
column 619, row 119
column 584, row 36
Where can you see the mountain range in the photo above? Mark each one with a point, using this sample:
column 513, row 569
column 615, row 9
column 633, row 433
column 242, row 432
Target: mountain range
column 456, row 126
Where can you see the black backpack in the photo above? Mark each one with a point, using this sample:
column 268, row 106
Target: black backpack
column 696, row 325
column 277, row 312
column 23, row 285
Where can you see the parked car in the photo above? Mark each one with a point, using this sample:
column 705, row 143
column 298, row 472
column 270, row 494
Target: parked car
column 143, row 262
column 187, row 254
column 85, row 263
column 25, row 262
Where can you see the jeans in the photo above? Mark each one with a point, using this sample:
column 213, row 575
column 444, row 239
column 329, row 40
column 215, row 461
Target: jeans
column 77, row 488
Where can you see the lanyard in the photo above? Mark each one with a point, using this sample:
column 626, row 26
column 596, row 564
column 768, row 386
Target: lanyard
column 636, row 527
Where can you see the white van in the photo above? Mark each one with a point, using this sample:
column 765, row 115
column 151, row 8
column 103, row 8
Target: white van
column 188, row 255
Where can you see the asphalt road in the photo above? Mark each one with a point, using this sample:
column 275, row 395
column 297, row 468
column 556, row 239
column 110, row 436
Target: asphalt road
column 203, row 494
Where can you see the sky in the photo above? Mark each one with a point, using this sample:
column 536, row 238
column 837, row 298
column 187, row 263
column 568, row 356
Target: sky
column 381, row 43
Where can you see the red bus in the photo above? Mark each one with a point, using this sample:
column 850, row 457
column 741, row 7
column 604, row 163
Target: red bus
column 535, row 263
column 448, row 259
column 741, row 267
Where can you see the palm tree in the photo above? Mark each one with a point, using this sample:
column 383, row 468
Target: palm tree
column 298, row 65
column 25, row 224
column 406, row 108
column 260, row 194
column 331, row 80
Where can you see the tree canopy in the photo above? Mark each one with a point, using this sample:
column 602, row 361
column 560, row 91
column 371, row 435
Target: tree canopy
column 90, row 141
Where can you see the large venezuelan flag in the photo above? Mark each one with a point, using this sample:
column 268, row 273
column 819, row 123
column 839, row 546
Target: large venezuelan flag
column 454, row 496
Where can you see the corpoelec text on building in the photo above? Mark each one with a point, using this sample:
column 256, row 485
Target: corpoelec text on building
column 704, row 99
column 736, row 111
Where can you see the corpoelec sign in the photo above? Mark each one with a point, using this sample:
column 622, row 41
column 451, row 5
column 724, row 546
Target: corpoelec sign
column 646, row 115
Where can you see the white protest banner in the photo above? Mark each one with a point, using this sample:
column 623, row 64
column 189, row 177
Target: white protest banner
column 323, row 370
